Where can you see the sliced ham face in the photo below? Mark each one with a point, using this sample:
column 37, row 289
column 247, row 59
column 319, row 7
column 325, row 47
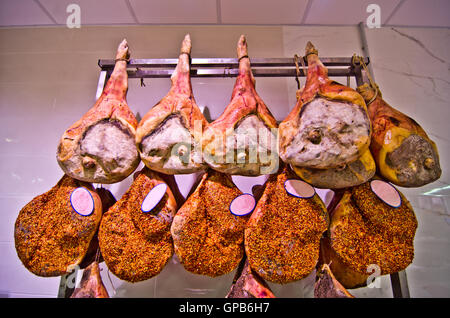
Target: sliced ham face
column 169, row 135
column 282, row 237
column 91, row 285
column 243, row 139
column 51, row 237
column 329, row 126
column 248, row 284
column 100, row 147
column 402, row 150
column 136, row 245
column 208, row 238
column 365, row 231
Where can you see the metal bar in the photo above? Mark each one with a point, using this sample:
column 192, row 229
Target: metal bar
column 399, row 284
column 365, row 47
column 232, row 72
column 225, row 62
column 65, row 288
column 100, row 84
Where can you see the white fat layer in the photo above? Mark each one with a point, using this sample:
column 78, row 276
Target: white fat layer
column 172, row 147
column 341, row 126
column 107, row 142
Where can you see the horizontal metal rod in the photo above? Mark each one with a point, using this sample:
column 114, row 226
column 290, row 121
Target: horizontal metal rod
column 227, row 62
column 166, row 73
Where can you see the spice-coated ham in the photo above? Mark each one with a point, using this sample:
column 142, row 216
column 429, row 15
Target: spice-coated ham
column 402, row 150
column 51, row 237
column 327, row 286
column 282, row 237
column 241, row 141
column 329, row 126
column 91, row 285
column 169, row 135
column 208, row 238
column 366, row 231
column 100, row 147
column 136, row 245
column 248, row 284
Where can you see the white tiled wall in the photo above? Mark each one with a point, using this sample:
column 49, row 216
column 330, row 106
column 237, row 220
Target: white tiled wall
column 48, row 79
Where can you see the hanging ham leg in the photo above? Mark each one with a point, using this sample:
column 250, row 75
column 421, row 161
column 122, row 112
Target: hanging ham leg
column 241, row 141
column 403, row 152
column 327, row 286
column 169, row 135
column 365, row 231
column 248, row 284
column 53, row 231
column 134, row 234
column 100, row 146
column 91, row 285
column 208, row 238
column 329, row 126
column 282, row 237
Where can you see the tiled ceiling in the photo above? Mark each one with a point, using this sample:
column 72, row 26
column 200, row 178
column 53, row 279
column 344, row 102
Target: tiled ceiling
column 428, row 13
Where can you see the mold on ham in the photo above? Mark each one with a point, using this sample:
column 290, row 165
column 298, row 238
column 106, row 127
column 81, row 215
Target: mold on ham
column 169, row 136
column 100, row 147
column 329, row 126
column 242, row 140
column 402, row 150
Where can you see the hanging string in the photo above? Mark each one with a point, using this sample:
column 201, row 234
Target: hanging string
column 297, row 71
column 360, row 60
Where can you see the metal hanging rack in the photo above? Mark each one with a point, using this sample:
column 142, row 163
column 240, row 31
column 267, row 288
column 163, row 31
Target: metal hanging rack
column 229, row 67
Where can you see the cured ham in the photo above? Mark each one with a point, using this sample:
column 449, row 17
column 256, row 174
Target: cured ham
column 208, row 238
column 242, row 140
column 135, row 240
column 329, row 126
column 91, row 285
column 352, row 174
column 282, row 237
column 100, row 147
column 247, row 284
column 53, row 231
column 169, row 135
column 327, row 286
column 365, row 231
column 402, row 150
